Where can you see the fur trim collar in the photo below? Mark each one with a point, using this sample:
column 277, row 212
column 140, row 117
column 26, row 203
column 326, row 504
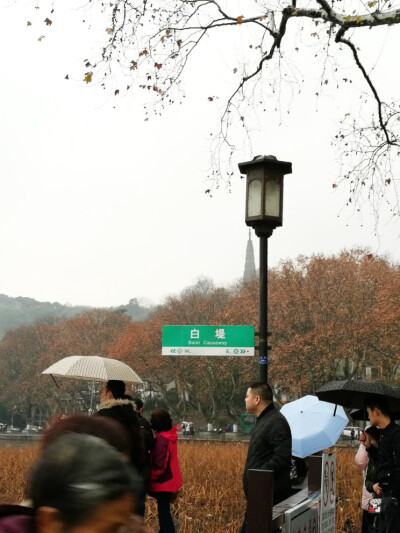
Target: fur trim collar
column 112, row 402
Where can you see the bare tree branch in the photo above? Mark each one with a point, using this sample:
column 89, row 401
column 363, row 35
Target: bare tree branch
column 153, row 44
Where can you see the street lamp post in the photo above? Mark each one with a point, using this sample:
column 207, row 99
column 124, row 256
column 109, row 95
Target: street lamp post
column 264, row 206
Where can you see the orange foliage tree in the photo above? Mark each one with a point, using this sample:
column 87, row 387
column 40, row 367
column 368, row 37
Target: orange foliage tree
column 26, row 351
column 383, row 357
column 20, row 352
column 211, row 386
column 326, row 318
column 331, row 318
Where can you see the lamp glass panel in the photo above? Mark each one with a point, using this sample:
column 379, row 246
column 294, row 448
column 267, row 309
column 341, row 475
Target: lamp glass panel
column 272, row 198
column 254, row 198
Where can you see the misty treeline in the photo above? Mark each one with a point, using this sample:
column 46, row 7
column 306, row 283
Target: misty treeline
column 21, row 311
column 331, row 318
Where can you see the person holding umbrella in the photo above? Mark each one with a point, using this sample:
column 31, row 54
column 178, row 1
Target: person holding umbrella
column 115, row 405
column 387, row 465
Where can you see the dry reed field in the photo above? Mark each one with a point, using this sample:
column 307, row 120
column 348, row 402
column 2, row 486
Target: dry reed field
column 211, row 499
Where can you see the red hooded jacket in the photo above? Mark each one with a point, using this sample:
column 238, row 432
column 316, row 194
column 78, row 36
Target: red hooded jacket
column 165, row 472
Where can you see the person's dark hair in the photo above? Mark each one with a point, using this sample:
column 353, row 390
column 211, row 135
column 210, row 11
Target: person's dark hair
column 116, row 387
column 379, row 402
column 263, row 390
column 373, row 432
column 78, row 473
column 98, row 426
column 160, row 419
column 138, row 402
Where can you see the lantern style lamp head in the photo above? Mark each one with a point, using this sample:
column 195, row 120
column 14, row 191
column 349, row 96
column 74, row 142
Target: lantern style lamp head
column 264, row 192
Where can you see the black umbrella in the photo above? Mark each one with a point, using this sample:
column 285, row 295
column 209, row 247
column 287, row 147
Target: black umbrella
column 358, row 414
column 353, row 393
column 361, row 414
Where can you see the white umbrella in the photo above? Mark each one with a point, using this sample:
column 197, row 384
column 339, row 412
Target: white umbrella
column 92, row 368
column 315, row 425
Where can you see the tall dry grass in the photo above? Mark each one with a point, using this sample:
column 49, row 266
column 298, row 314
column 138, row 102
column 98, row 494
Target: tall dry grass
column 211, row 499
column 15, row 463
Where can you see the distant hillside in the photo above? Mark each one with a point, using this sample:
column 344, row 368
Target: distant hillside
column 20, row 311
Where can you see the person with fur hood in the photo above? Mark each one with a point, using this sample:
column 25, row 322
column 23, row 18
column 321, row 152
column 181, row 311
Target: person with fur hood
column 115, row 405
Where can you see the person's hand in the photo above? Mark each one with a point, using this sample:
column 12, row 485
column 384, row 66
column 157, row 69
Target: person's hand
column 377, row 489
column 362, row 437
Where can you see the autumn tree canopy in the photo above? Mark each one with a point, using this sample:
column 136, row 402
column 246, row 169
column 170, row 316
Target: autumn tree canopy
column 333, row 317
column 26, row 351
column 213, row 387
column 268, row 48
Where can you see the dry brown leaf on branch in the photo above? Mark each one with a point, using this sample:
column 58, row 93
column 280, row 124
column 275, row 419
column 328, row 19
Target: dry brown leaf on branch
column 88, row 77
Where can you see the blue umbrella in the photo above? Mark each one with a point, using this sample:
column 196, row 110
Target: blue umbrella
column 315, row 425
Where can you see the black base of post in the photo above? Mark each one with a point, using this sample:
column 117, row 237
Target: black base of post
column 259, row 501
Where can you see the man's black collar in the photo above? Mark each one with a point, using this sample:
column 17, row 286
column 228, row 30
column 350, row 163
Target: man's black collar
column 266, row 410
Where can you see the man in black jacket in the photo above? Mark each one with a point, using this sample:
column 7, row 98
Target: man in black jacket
column 387, row 464
column 270, row 446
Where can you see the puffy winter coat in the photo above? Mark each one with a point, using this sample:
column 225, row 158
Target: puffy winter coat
column 361, row 460
column 123, row 411
column 388, row 464
column 165, row 471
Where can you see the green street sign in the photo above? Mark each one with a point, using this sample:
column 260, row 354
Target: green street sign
column 208, row 340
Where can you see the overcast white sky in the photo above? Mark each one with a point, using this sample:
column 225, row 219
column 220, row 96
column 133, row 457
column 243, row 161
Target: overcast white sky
column 99, row 206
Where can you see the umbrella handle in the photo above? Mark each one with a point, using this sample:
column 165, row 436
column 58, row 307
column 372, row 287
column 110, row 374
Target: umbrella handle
column 91, row 398
column 334, row 412
column 54, row 379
